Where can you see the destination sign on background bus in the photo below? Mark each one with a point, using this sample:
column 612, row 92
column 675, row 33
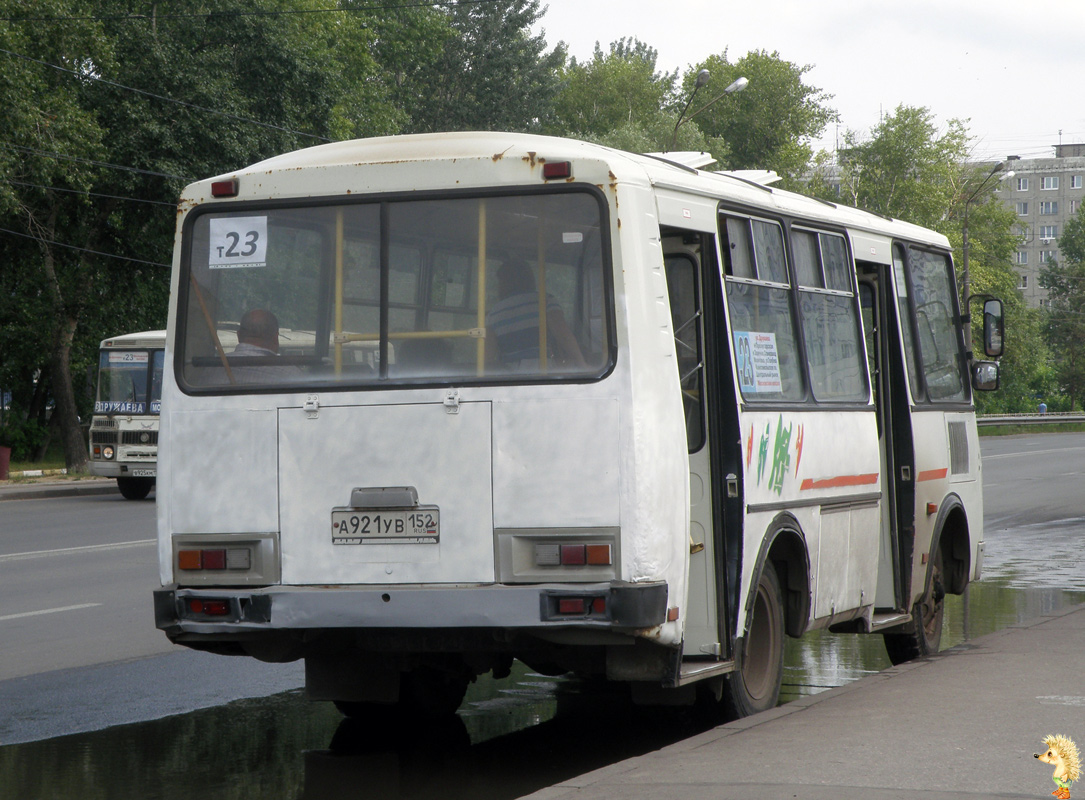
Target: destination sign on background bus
column 129, row 357
column 238, row 242
column 123, row 407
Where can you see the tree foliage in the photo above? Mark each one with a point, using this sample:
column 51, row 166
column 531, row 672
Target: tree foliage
column 492, row 73
column 96, row 151
column 911, row 168
column 1064, row 325
column 770, row 124
column 612, row 90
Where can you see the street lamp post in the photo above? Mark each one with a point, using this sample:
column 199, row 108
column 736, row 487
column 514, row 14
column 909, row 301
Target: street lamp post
column 702, row 79
column 966, row 291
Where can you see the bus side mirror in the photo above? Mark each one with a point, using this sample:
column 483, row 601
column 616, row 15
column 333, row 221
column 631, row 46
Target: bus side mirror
column 985, row 376
column 993, row 328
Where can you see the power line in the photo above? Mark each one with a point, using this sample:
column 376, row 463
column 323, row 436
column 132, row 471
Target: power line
column 83, row 249
column 65, row 157
column 91, row 194
column 226, row 114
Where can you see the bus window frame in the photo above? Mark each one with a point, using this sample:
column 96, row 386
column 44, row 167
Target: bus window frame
column 327, row 290
column 852, row 292
column 921, row 399
column 786, row 224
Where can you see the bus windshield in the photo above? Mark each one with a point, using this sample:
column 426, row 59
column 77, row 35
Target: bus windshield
column 129, row 382
column 447, row 290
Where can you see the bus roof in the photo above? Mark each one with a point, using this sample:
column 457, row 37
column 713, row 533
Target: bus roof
column 500, row 149
column 134, row 340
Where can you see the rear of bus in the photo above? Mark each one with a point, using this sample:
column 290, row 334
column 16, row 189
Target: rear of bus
column 431, row 467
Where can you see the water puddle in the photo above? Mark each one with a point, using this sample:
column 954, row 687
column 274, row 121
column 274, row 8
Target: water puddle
column 510, row 738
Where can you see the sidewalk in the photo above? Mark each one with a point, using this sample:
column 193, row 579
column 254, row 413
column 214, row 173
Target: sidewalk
column 964, row 723
column 47, row 487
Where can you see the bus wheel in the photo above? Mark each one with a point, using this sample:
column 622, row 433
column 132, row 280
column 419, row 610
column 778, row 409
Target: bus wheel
column 135, row 488
column 755, row 685
column 927, row 619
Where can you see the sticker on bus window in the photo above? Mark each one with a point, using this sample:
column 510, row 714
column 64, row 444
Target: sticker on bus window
column 758, row 362
column 572, row 237
column 238, row 242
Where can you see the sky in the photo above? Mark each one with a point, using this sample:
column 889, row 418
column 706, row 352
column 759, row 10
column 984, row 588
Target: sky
column 1014, row 70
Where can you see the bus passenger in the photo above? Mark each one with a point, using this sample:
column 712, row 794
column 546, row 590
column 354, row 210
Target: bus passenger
column 258, row 334
column 513, row 323
column 258, row 337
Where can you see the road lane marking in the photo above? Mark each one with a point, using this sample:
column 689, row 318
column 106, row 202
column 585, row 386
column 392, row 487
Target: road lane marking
column 90, row 548
column 48, row 611
column 1031, row 453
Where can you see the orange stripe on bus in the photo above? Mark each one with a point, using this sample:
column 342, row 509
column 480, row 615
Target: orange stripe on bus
column 933, row 474
column 840, row 480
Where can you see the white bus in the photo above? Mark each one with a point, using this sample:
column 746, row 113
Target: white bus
column 124, row 429
column 604, row 413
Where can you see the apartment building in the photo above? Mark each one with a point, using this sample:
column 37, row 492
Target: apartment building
column 1044, row 193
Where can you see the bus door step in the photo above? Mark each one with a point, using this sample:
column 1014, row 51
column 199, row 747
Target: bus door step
column 888, row 620
column 691, row 671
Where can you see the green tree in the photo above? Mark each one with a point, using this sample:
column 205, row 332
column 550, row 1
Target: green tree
column 907, row 168
column 620, row 99
column 492, row 74
column 911, row 168
column 1064, row 326
column 612, row 90
column 95, row 153
column 50, row 139
column 768, row 125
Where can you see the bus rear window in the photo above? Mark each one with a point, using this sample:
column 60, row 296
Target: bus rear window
column 447, row 290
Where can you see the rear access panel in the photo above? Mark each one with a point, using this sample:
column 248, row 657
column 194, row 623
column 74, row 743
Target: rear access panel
column 324, row 458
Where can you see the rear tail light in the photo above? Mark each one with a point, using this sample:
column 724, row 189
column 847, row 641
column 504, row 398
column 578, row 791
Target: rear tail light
column 566, row 606
column 210, row 608
column 573, row 555
column 216, row 558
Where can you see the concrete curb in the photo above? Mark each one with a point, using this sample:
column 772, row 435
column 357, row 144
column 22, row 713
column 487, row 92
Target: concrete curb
column 62, row 488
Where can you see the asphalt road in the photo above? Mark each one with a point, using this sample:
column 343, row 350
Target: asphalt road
column 1034, row 508
column 76, row 576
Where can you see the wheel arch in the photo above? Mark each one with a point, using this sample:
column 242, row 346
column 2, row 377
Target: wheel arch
column 951, row 535
column 784, row 546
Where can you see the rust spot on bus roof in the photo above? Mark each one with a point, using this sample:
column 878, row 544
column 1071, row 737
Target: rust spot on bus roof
column 498, row 156
column 530, row 158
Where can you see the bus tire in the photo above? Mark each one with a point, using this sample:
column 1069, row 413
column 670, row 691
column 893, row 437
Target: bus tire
column 754, row 686
column 927, row 615
column 135, row 488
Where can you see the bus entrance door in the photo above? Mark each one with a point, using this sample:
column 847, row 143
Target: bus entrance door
column 887, row 375
column 691, row 289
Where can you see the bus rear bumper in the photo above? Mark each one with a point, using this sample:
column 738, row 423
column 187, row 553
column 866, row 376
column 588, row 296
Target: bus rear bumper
column 217, row 612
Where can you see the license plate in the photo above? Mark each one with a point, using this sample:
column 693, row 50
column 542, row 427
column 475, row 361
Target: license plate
column 142, row 473
column 416, row 525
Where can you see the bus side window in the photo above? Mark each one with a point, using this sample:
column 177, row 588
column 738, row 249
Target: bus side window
column 760, row 310
column 682, row 288
column 737, row 255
